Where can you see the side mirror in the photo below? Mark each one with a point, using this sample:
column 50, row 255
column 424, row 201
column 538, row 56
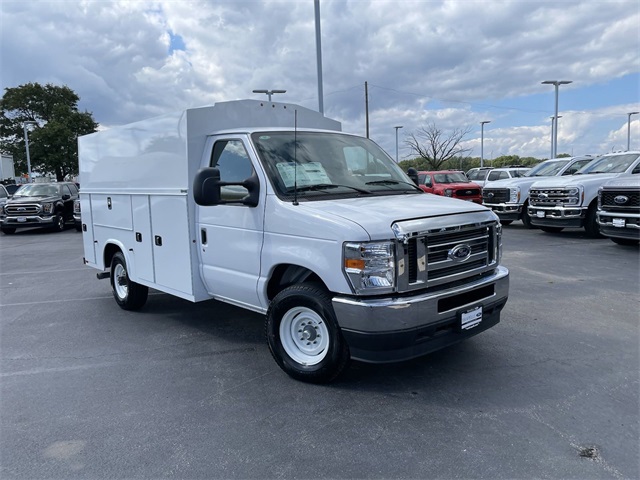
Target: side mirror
column 207, row 189
column 413, row 175
column 66, row 196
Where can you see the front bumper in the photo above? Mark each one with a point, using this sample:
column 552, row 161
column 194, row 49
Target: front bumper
column 29, row 221
column 400, row 328
column 505, row 211
column 557, row 216
column 619, row 225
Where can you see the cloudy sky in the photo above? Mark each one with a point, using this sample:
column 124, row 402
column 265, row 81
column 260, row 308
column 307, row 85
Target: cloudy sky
column 452, row 63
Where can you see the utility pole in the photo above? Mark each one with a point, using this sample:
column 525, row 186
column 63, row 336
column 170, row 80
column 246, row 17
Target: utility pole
column 366, row 106
column 319, row 56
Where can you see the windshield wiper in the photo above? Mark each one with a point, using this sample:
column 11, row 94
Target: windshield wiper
column 325, row 186
column 393, row 182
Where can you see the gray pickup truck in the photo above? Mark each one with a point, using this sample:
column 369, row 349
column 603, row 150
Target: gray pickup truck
column 619, row 210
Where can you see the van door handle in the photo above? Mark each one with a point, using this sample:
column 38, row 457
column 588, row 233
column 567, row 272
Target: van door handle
column 203, row 236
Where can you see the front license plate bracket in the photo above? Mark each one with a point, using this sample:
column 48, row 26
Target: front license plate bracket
column 470, row 318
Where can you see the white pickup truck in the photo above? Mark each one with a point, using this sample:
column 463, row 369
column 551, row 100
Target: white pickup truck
column 560, row 202
column 509, row 198
column 270, row 207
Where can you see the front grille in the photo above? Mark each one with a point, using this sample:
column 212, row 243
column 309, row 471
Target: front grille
column 495, row 195
column 467, row 192
column 430, row 260
column 631, row 204
column 22, row 209
column 552, row 197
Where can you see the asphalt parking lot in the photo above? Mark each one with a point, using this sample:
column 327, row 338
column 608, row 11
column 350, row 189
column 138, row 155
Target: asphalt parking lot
column 182, row 390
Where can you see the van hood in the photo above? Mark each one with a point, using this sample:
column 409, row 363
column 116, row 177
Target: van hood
column 376, row 215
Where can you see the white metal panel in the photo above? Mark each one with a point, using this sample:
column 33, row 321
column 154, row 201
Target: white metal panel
column 171, row 242
column 87, row 236
column 112, row 211
column 142, row 254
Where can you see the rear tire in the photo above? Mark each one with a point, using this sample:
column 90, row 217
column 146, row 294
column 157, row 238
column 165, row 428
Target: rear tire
column 304, row 336
column 551, row 229
column 129, row 295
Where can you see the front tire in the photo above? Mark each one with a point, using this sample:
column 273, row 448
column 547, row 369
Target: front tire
column 58, row 223
column 303, row 334
column 129, row 295
column 8, row 230
column 506, row 222
column 591, row 223
column 625, row 241
column 526, row 218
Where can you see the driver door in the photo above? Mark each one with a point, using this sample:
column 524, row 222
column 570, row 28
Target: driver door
column 230, row 236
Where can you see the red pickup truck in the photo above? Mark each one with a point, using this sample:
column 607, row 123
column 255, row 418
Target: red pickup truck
column 450, row 183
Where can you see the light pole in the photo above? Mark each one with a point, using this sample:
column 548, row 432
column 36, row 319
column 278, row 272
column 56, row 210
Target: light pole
column 398, row 127
column 552, row 126
column 269, row 92
column 26, row 142
column 629, row 128
column 482, row 141
column 556, row 83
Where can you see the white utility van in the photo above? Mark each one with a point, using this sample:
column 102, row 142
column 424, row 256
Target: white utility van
column 269, row 206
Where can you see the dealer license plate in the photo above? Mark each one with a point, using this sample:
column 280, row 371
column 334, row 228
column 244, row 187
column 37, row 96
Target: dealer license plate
column 619, row 222
column 22, row 219
column 471, row 318
column 540, row 214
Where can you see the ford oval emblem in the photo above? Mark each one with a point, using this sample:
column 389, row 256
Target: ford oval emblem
column 621, row 199
column 543, row 196
column 460, row 253
column 490, row 194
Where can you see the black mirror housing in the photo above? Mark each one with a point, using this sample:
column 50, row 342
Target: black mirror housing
column 206, row 189
column 413, row 175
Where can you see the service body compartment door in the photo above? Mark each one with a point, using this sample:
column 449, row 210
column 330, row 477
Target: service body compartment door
column 143, row 240
column 171, row 244
column 87, row 222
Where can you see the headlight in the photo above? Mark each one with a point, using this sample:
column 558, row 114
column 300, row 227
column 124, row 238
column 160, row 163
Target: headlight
column 47, row 207
column 448, row 192
column 574, row 196
column 76, row 206
column 514, row 195
column 600, row 198
column 370, row 266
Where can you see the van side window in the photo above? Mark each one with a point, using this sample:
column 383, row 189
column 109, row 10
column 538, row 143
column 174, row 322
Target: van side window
column 231, row 159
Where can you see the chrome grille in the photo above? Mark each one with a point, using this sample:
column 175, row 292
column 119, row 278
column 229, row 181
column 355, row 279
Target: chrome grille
column 495, row 195
column 551, row 197
column 22, row 209
column 430, row 262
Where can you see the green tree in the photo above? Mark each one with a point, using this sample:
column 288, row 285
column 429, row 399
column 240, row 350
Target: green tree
column 53, row 144
column 435, row 146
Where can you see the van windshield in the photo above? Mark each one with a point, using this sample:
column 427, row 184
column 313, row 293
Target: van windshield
column 316, row 164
